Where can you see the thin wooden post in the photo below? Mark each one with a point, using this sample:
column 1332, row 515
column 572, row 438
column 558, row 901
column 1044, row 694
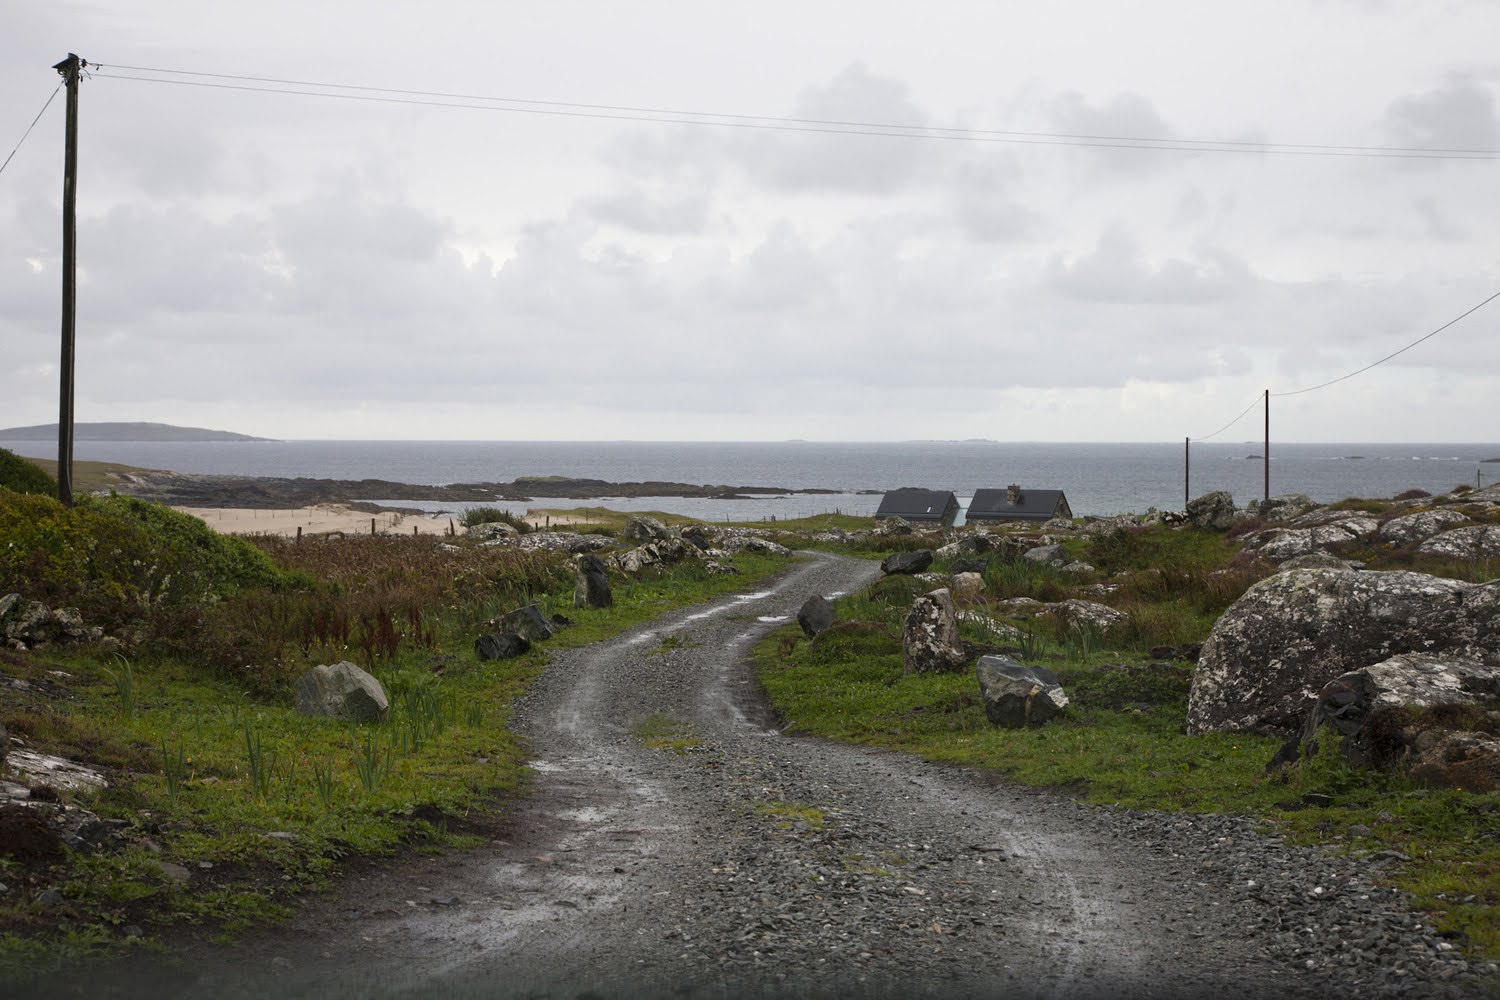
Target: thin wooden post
column 372, row 526
column 1267, row 452
column 1187, row 460
column 70, row 69
column 299, row 532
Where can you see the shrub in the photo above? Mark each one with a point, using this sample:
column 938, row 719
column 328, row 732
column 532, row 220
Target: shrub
column 491, row 515
column 1412, row 495
column 23, row 476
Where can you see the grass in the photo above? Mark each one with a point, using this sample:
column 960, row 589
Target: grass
column 1123, row 742
column 660, row 732
column 213, row 765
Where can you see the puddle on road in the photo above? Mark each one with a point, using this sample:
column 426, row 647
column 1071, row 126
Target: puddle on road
column 638, row 639
column 545, row 765
column 586, row 814
column 773, row 618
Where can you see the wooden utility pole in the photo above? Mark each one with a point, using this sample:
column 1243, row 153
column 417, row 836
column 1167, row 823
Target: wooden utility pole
column 1267, row 452
column 70, row 68
column 1187, row 464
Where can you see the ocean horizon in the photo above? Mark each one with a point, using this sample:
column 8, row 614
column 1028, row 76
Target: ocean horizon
column 1098, row 478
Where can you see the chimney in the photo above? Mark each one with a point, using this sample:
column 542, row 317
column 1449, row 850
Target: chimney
column 1013, row 495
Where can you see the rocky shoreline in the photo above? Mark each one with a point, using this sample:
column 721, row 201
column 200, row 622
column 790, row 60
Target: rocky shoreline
column 267, row 492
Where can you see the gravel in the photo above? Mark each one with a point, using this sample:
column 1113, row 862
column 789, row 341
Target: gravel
column 752, row 864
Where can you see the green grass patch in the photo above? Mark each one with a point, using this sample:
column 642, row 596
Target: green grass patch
column 660, row 732
column 1123, row 742
column 786, row 815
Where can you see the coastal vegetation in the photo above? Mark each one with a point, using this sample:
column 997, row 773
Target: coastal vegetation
column 223, row 802
column 1123, row 742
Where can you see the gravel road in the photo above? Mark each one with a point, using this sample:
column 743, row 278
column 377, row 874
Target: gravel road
column 759, row 865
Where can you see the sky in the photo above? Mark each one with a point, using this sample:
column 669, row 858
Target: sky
column 320, row 267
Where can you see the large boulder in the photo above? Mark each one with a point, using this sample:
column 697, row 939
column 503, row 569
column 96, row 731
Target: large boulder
column 341, row 691
column 929, row 640
column 1090, row 615
column 1048, row 555
column 894, row 526
column 1016, row 695
column 557, row 541
column 501, row 646
column 1214, row 511
column 1281, row 544
column 1275, row 648
column 1419, row 527
column 751, row 543
column 646, row 529
column 966, row 585
column 815, row 615
column 492, row 529
column 1456, row 759
column 592, row 589
column 528, row 621
column 1475, row 542
column 907, row 562
column 1286, row 507
column 666, row 552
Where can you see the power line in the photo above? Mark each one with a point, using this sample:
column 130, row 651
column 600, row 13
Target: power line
column 443, row 99
column 1253, row 404
column 1414, row 343
column 38, row 118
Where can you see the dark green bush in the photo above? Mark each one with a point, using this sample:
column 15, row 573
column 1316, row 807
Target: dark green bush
column 490, row 515
column 23, row 476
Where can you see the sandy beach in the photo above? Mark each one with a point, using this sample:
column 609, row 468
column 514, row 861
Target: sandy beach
column 326, row 517
column 316, row 519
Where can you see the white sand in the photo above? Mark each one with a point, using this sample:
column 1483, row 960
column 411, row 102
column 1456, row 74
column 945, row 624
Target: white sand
column 315, row 520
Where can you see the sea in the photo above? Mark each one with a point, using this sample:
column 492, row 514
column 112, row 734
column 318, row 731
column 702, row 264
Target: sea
column 1100, row 479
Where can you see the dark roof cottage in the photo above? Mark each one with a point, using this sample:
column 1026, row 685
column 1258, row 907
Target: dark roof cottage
column 1016, row 504
column 914, row 504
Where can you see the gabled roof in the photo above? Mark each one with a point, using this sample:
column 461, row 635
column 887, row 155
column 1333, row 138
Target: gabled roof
column 1035, row 505
column 915, row 504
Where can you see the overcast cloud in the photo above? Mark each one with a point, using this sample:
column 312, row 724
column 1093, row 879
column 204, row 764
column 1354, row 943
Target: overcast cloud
column 309, row 267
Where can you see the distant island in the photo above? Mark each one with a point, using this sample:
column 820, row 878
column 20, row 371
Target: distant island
column 123, row 432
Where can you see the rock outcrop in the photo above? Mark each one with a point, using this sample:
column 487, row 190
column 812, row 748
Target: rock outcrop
column 592, row 588
column 341, row 691
column 1016, row 695
column 1275, row 648
column 528, row 621
column 929, row 640
column 1418, row 527
column 815, row 615
column 1475, row 542
column 501, row 646
column 907, row 562
column 1213, row 511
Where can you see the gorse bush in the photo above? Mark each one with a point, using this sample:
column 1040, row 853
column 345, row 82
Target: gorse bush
column 475, row 516
column 22, row 476
column 118, row 560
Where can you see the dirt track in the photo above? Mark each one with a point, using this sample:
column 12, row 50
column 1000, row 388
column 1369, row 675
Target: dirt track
column 757, row 864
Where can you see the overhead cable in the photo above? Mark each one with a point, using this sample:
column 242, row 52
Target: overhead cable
column 1253, row 404
column 38, row 118
column 392, row 95
column 1414, row 343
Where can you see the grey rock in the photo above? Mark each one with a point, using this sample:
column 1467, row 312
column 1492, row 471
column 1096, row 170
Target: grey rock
column 966, row 585
column 1016, row 695
column 752, row 543
column 816, row 615
column 666, row 552
column 492, row 529
column 8, row 603
column 1078, row 566
column 1289, row 635
column 1287, row 507
column 1049, row 554
column 557, row 541
column 1315, row 560
column 929, row 639
column 1457, row 759
column 341, row 691
column 1091, row 615
column 894, row 526
column 646, row 529
column 907, row 562
column 1213, row 511
column 501, row 646
column 528, row 621
column 592, row 589
column 1419, row 527
column 1281, row 544
column 1475, row 542
column 50, row 771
